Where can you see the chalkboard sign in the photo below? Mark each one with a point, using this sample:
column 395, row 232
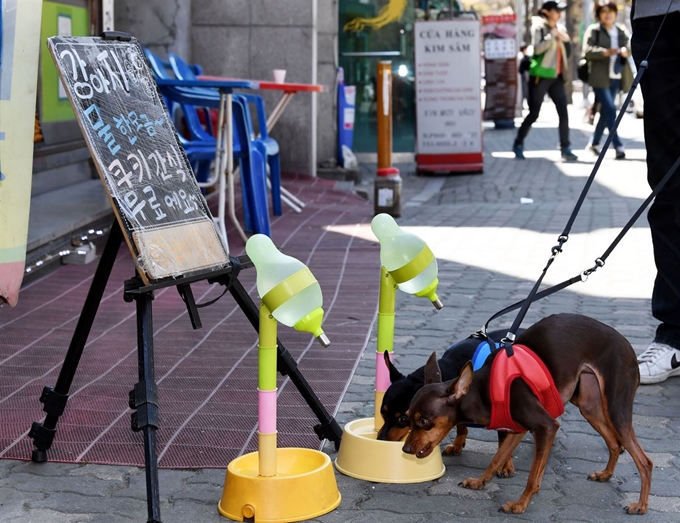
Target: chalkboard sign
column 153, row 191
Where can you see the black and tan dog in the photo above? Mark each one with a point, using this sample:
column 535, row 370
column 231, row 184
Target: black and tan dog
column 593, row 366
column 399, row 394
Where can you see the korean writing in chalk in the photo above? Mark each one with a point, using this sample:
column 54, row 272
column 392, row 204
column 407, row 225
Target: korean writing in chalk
column 145, row 169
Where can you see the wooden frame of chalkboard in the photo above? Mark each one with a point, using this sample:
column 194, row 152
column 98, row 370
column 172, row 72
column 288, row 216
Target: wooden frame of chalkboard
column 145, row 171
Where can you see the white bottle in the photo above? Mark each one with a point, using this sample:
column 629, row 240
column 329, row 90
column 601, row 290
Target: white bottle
column 274, row 267
column 397, row 249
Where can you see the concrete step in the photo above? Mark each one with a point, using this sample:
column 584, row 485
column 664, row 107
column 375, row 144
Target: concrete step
column 59, row 214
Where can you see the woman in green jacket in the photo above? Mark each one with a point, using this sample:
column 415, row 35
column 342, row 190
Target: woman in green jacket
column 607, row 48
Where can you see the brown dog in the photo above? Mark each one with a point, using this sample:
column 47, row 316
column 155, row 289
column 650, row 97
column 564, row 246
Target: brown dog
column 593, row 367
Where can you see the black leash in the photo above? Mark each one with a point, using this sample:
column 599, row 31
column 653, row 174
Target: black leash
column 599, row 262
column 562, row 239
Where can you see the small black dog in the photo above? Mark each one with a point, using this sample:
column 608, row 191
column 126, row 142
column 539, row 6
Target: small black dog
column 398, row 396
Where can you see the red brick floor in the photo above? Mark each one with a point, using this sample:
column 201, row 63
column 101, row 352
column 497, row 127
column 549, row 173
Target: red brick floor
column 207, row 378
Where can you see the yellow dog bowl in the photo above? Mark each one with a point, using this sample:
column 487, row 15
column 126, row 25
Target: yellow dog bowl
column 362, row 456
column 304, row 487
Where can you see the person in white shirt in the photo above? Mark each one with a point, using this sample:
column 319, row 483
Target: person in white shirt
column 607, row 50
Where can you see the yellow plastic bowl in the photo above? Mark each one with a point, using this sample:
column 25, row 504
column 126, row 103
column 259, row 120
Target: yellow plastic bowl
column 362, row 456
column 304, row 487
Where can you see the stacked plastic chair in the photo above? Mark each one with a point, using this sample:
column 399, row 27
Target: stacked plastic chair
column 200, row 145
column 201, row 152
column 266, row 145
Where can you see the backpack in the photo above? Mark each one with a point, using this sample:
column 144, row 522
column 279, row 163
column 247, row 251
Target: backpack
column 583, row 70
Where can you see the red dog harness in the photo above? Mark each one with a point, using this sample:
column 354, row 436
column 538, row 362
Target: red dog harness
column 526, row 365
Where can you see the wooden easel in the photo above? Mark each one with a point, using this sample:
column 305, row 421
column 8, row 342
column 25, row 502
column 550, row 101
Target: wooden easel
column 158, row 250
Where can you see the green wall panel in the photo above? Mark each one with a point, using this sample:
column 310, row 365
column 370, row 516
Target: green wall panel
column 55, row 107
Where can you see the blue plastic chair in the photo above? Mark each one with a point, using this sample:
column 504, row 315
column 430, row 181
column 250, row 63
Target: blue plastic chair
column 250, row 159
column 200, row 154
column 201, row 145
column 254, row 186
column 266, row 145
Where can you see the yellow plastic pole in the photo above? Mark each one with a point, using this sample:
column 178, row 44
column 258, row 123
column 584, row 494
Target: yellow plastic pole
column 384, row 116
column 266, row 385
column 386, row 307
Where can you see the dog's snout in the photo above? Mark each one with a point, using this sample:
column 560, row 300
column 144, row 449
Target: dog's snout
column 407, row 447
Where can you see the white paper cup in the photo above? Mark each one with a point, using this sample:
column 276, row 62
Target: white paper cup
column 279, row 75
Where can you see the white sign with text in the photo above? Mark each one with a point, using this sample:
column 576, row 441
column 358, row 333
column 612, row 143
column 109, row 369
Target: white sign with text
column 448, row 89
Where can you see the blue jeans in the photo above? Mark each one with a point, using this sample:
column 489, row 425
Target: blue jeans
column 606, row 97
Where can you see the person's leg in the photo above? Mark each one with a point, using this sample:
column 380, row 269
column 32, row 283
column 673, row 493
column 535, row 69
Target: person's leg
column 596, row 138
column 614, row 88
column 558, row 95
column 607, row 97
column 537, row 89
column 660, row 86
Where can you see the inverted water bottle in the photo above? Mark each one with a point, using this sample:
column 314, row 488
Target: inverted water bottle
column 287, row 287
column 407, row 258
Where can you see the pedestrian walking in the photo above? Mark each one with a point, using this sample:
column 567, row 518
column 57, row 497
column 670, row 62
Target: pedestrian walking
column 547, row 75
column 524, row 64
column 660, row 87
column 607, row 49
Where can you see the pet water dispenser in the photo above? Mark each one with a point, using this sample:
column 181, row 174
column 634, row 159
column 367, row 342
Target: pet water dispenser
column 407, row 264
column 279, row 484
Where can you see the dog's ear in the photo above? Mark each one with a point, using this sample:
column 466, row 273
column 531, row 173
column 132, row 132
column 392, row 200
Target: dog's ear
column 432, row 372
column 395, row 375
column 461, row 386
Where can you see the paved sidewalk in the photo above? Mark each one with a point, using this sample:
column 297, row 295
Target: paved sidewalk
column 492, row 235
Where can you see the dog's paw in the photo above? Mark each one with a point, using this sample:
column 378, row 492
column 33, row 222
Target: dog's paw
column 637, row 509
column 450, row 450
column 507, row 470
column 455, row 448
column 600, row 476
column 513, row 507
column 473, row 483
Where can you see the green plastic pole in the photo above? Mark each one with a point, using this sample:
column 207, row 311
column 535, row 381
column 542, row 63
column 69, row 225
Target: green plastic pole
column 386, row 307
column 266, row 350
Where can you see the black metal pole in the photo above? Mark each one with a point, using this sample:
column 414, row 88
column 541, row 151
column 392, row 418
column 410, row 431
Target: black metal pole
column 54, row 399
column 144, row 402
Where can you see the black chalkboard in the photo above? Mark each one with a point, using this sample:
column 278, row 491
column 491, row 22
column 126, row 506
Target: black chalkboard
column 167, row 223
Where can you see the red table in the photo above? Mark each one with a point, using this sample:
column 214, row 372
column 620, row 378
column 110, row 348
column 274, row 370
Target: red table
column 287, row 90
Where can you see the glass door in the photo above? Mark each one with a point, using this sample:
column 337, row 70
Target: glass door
column 371, row 31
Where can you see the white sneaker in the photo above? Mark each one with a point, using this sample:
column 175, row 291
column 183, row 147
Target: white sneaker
column 658, row 363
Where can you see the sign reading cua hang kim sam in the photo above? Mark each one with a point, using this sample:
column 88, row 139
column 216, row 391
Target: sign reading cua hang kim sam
column 448, row 96
column 500, row 67
column 159, row 206
column 19, row 46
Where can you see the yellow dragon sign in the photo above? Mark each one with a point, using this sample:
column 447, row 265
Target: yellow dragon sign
column 390, row 12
